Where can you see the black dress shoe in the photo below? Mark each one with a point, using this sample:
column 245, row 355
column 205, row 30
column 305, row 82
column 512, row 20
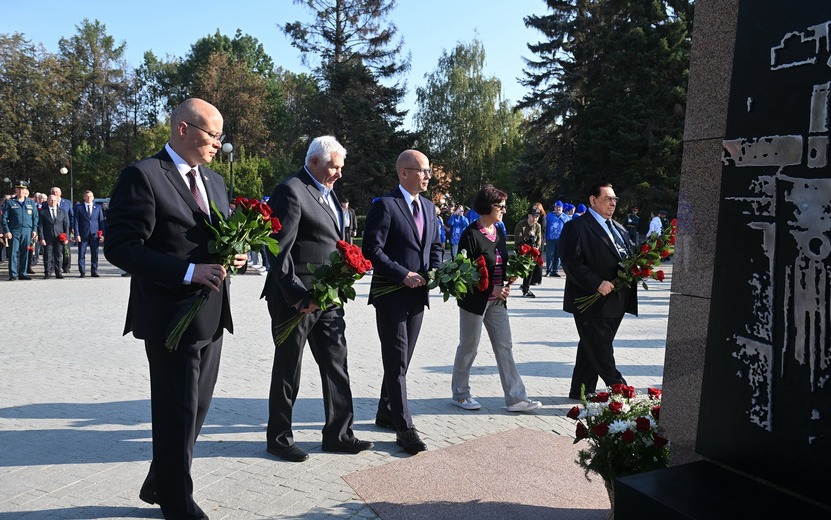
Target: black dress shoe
column 410, row 441
column 83, row 275
column 30, row 271
column 59, row 275
column 291, row 453
column 12, row 278
column 46, row 277
column 353, row 446
column 94, row 275
column 147, row 493
column 24, row 277
column 383, row 420
column 529, row 294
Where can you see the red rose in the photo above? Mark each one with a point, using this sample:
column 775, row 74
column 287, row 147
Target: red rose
column 672, row 240
column 582, row 432
column 628, row 391
column 265, row 209
column 635, row 270
column 253, row 203
column 482, row 265
column 659, row 441
column 658, row 244
column 62, row 238
column 600, row 429
column 628, row 437
column 643, row 424
column 615, row 407
column 600, row 397
column 665, row 253
column 276, row 226
column 674, row 222
column 656, row 412
column 652, row 391
column 535, row 252
column 539, row 261
column 659, row 275
column 342, row 245
column 524, row 249
column 617, row 388
column 646, row 271
column 100, row 233
column 645, row 248
column 367, row 265
column 574, row 413
column 241, row 201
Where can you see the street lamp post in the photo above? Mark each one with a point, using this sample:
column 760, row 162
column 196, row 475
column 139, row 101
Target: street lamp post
column 229, row 149
column 64, row 171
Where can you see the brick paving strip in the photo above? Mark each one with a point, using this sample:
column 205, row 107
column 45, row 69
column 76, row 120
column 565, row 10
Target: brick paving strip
column 75, row 410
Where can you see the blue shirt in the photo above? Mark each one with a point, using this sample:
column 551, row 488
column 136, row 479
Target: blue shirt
column 554, row 225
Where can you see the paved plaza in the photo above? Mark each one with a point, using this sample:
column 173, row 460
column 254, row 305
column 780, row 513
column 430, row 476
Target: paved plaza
column 75, row 409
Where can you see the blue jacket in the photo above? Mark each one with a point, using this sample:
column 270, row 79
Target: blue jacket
column 554, row 225
column 86, row 225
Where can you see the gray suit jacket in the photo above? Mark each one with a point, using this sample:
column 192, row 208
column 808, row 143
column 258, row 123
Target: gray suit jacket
column 309, row 235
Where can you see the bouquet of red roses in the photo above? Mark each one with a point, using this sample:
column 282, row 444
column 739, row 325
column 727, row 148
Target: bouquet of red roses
column 332, row 284
column 250, row 227
column 62, row 238
column 523, row 262
column 640, row 266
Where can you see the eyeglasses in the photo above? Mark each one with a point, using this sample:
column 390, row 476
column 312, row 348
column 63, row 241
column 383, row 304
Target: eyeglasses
column 610, row 199
column 423, row 171
column 215, row 137
column 500, row 207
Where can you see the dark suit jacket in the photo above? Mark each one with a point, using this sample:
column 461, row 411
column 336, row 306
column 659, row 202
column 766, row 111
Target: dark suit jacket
column 49, row 229
column 66, row 205
column 154, row 230
column 589, row 257
column 87, row 225
column 309, row 235
column 391, row 243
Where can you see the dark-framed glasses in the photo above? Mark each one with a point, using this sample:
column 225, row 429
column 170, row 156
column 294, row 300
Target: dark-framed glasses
column 215, row 137
column 500, row 207
column 423, row 171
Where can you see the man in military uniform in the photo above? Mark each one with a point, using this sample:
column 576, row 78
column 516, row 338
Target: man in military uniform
column 20, row 220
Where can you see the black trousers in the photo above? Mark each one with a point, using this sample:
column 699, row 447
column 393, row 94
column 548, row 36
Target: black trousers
column 52, row 257
column 398, row 329
column 595, row 353
column 181, row 387
column 324, row 331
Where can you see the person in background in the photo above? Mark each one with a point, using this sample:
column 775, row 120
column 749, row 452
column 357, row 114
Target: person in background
column 442, row 232
column 528, row 232
column 580, row 210
column 554, row 229
column 350, row 221
column 632, row 220
column 20, row 222
column 66, row 205
column 488, row 308
column 655, row 225
column 53, row 221
column 568, row 209
column 89, row 232
column 458, row 222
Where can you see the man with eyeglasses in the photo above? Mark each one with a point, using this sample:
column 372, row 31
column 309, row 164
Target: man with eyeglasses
column 593, row 245
column 401, row 240
column 157, row 230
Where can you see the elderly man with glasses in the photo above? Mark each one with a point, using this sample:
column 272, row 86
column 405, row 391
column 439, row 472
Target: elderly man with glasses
column 593, row 245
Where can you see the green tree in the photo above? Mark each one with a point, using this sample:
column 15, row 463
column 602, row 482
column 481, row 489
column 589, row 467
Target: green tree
column 32, row 108
column 358, row 63
column 608, row 98
column 469, row 130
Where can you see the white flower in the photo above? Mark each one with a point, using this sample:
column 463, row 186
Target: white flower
column 618, row 426
column 595, row 409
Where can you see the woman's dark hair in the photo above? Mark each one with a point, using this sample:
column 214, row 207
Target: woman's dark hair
column 486, row 198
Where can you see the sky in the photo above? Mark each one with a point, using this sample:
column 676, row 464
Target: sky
column 169, row 28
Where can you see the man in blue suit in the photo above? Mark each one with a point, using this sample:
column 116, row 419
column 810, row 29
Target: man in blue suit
column 66, row 205
column 89, row 232
column 401, row 240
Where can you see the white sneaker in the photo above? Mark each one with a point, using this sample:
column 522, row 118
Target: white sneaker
column 525, row 405
column 467, row 403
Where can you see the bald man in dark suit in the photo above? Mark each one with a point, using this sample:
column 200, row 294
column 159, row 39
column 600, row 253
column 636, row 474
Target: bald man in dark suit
column 157, row 230
column 401, row 240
